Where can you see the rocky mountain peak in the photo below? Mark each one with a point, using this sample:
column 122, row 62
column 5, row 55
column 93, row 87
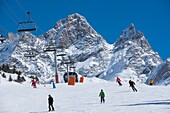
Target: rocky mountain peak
column 132, row 51
column 129, row 34
column 71, row 19
column 75, row 16
column 74, row 30
column 132, row 26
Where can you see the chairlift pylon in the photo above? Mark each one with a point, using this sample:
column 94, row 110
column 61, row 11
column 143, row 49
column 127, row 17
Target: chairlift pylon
column 27, row 25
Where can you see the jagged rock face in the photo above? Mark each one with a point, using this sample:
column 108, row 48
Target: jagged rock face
column 75, row 32
column 161, row 74
column 72, row 29
column 132, row 51
column 83, row 42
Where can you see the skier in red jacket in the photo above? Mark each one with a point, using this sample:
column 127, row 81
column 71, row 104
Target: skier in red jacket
column 118, row 81
column 34, row 83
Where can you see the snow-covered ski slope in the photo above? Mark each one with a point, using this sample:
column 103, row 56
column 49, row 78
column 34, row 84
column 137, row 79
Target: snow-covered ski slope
column 83, row 98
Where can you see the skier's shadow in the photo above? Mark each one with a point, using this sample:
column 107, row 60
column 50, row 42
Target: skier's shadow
column 154, row 102
column 39, row 112
column 122, row 91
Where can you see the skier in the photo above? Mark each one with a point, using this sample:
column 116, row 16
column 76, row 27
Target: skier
column 50, row 103
column 53, row 84
column 118, row 81
column 131, row 83
column 102, row 95
column 151, row 81
column 34, row 83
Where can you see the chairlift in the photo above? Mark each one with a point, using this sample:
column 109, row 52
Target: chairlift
column 61, row 54
column 45, row 55
column 67, row 62
column 49, row 48
column 61, row 69
column 2, row 38
column 59, row 59
column 73, row 67
column 27, row 26
column 60, row 51
column 30, row 54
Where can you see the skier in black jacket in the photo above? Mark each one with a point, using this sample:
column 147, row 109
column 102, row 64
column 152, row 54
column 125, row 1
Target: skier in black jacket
column 131, row 83
column 50, row 103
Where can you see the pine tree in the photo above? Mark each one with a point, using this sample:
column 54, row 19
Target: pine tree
column 5, row 68
column 37, row 80
column 10, row 78
column 3, row 75
column 14, row 69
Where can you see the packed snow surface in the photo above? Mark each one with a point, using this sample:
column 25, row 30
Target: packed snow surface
column 83, row 98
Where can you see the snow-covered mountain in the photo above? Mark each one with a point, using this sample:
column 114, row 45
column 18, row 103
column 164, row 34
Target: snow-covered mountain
column 161, row 74
column 84, row 45
column 132, row 52
column 92, row 55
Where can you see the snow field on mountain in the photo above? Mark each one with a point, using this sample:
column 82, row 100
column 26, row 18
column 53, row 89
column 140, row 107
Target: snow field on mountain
column 84, row 98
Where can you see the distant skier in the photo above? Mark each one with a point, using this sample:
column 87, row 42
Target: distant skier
column 50, row 103
column 151, row 81
column 131, row 83
column 118, row 81
column 34, row 83
column 102, row 95
column 53, row 84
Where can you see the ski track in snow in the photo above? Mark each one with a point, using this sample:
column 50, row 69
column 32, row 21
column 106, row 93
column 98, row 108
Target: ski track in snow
column 84, row 98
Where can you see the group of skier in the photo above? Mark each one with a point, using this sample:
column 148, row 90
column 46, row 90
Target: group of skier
column 101, row 94
column 131, row 84
column 118, row 80
column 33, row 83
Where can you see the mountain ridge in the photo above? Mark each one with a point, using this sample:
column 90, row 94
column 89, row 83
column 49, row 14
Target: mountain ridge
column 92, row 54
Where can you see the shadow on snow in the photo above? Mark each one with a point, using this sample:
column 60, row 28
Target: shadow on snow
column 154, row 102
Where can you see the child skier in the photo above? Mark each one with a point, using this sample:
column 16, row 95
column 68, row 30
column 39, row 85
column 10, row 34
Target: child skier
column 102, row 95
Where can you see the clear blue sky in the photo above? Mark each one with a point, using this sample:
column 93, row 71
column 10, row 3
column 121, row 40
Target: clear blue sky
column 107, row 17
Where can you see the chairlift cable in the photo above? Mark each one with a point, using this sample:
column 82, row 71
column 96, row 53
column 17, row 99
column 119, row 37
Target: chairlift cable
column 20, row 6
column 11, row 10
column 9, row 16
column 3, row 29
